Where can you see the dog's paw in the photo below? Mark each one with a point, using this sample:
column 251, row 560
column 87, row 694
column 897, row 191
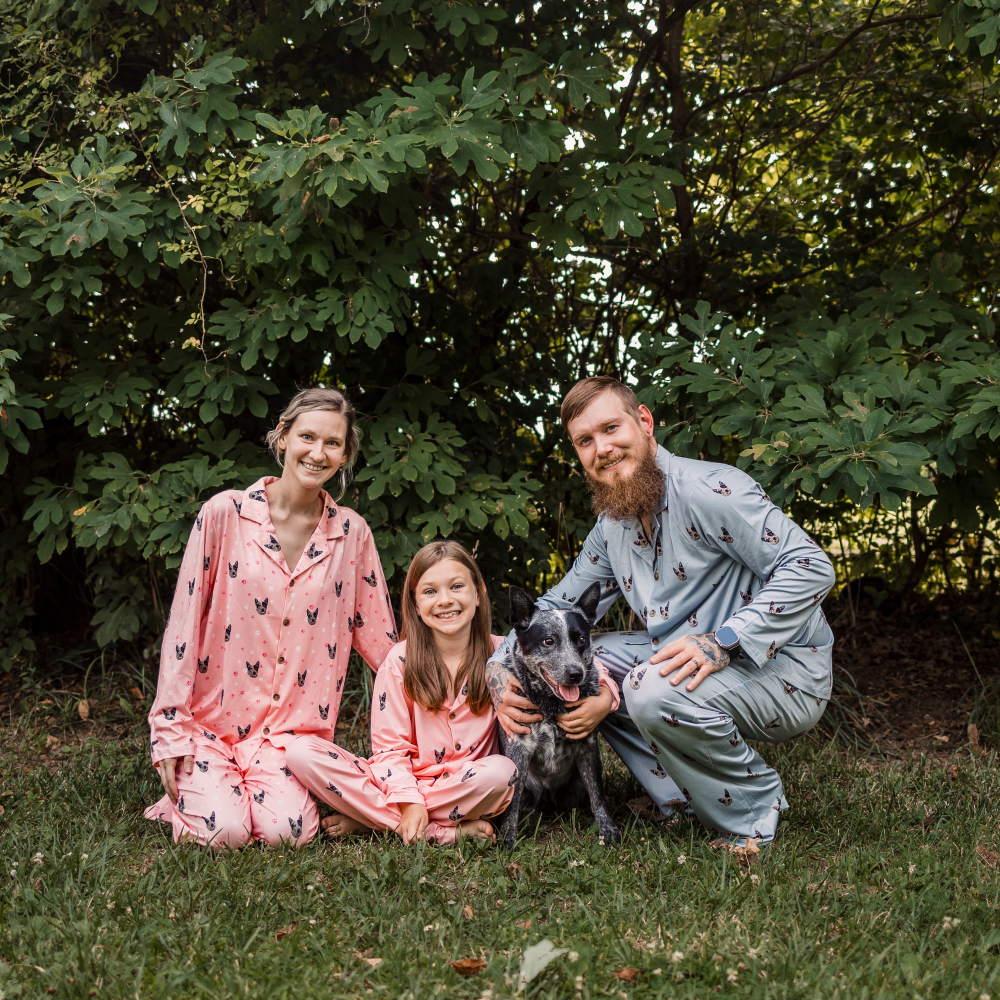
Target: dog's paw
column 611, row 835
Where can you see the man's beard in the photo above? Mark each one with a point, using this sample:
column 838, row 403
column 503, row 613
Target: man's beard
column 631, row 498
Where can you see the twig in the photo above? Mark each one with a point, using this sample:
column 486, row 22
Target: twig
column 968, row 654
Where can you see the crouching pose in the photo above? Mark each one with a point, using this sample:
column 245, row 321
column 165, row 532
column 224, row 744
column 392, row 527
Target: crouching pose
column 276, row 585
column 732, row 646
column 435, row 771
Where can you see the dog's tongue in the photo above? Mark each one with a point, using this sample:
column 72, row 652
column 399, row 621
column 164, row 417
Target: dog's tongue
column 568, row 694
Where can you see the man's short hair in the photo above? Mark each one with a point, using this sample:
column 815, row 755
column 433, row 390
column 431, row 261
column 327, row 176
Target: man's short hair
column 587, row 390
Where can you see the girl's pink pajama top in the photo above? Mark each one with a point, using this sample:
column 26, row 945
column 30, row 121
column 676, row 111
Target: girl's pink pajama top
column 256, row 651
column 413, row 747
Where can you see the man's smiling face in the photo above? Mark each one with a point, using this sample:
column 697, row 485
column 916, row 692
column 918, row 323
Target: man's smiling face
column 610, row 442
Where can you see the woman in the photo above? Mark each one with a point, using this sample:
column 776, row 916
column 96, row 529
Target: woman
column 276, row 585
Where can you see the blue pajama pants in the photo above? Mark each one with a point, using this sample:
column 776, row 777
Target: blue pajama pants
column 691, row 745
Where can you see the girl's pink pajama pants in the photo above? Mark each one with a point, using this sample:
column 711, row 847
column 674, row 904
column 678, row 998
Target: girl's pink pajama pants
column 478, row 790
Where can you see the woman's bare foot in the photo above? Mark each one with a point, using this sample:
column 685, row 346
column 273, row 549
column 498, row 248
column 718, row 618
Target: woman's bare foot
column 477, row 828
column 339, row 825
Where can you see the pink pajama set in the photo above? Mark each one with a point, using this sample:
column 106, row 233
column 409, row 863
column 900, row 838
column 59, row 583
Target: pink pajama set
column 447, row 760
column 253, row 663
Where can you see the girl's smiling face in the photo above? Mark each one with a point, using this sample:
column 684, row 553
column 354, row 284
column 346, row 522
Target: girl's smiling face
column 446, row 597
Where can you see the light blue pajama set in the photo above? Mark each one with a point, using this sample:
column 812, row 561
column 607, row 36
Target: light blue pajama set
column 721, row 554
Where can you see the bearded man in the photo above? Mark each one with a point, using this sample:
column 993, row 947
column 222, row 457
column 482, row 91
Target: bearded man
column 735, row 645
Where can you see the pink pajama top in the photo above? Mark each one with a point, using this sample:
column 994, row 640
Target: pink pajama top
column 411, row 743
column 253, row 650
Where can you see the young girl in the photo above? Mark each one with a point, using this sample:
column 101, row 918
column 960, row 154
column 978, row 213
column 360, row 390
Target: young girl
column 434, row 771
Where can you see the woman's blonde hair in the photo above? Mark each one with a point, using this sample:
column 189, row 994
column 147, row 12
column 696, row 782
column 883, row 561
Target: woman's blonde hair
column 425, row 677
column 308, row 401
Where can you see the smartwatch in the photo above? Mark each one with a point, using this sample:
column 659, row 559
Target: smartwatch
column 728, row 639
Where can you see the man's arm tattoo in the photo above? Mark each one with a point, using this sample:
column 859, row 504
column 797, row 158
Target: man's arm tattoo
column 496, row 680
column 711, row 649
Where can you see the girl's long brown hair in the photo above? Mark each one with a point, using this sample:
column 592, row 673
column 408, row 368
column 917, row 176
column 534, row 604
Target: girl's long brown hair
column 425, row 678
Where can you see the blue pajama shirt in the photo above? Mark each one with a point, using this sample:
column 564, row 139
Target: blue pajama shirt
column 721, row 554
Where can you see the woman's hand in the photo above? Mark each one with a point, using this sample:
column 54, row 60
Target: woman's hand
column 586, row 715
column 699, row 655
column 167, row 770
column 414, row 822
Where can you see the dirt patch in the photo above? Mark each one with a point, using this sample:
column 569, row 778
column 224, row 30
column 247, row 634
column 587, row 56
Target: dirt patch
column 909, row 676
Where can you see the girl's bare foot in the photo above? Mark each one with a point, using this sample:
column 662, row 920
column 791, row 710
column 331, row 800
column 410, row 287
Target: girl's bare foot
column 477, row 828
column 339, row 825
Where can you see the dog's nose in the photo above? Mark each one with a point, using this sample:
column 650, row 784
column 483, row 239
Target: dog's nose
column 574, row 676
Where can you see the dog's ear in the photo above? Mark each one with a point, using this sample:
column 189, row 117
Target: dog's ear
column 522, row 609
column 588, row 602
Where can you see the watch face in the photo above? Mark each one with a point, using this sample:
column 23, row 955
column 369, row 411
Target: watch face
column 726, row 637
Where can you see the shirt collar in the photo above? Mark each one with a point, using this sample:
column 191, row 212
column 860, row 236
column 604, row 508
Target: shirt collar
column 663, row 462
column 253, row 506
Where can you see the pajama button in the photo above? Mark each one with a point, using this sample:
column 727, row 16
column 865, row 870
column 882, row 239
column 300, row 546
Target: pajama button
column 452, row 716
column 266, row 732
column 281, row 659
column 458, row 746
column 655, row 641
column 276, row 696
column 291, row 583
column 287, row 621
column 656, row 576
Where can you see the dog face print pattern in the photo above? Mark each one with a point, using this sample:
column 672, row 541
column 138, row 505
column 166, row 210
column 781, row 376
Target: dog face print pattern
column 226, row 805
column 422, row 756
column 292, row 621
column 721, row 554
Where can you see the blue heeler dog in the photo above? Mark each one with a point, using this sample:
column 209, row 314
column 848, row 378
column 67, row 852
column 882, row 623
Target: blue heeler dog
column 553, row 663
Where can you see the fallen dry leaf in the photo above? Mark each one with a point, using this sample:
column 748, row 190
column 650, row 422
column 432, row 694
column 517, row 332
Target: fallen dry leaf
column 285, row 931
column 83, row 709
column 745, row 855
column 526, row 924
column 364, row 958
column 973, row 732
column 51, row 742
column 941, row 738
column 2, row 810
column 643, row 805
column 467, row 911
column 468, row 966
column 988, row 857
column 627, row 975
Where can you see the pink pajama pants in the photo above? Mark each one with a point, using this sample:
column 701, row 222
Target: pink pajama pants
column 346, row 782
column 222, row 805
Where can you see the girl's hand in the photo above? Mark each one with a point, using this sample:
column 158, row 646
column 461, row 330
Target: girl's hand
column 166, row 768
column 586, row 715
column 414, row 822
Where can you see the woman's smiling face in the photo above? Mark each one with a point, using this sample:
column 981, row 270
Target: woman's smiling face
column 314, row 448
column 446, row 597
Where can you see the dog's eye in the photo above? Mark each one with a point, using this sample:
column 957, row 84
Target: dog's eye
column 548, row 641
column 582, row 640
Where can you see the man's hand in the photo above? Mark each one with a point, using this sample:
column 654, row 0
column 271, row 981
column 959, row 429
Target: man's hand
column 414, row 822
column 514, row 711
column 697, row 655
column 167, row 768
column 586, row 715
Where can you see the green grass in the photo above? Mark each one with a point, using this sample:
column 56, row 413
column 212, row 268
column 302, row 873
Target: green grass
column 851, row 902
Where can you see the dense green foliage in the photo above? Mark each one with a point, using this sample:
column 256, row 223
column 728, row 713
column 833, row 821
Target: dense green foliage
column 454, row 210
